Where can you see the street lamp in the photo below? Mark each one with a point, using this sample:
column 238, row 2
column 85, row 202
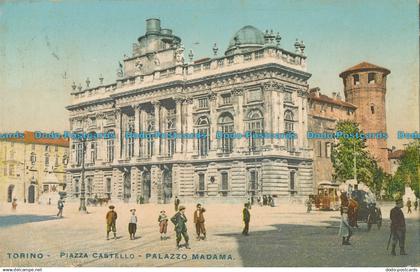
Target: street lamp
column 82, row 207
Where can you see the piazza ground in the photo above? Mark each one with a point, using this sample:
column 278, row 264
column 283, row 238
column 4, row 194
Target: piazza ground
column 280, row 236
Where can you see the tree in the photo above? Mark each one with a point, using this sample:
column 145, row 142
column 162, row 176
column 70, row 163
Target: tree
column 351, row 150
column 408, row 173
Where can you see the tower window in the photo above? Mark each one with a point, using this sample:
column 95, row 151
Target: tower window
column 371, row 78
column 356, row 80
column 372, row 109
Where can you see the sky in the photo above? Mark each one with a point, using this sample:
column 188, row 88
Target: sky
column 46, row 45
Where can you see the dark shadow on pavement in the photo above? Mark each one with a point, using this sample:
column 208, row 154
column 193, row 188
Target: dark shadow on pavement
column 293, row 245
column 13, row 220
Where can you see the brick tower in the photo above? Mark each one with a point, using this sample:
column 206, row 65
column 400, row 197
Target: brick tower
column 365, row 87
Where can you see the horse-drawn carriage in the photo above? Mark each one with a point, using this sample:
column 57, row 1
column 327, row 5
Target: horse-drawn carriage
column 367, row 211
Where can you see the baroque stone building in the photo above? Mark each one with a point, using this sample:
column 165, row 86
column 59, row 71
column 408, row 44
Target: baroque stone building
column 255, row 86
column 32, row 169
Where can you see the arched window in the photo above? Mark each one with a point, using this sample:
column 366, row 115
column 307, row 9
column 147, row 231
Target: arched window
column 255, row 127
column 289, row 127
column 33, row 158
column 224, row 186
column 171, row 128
column 110, row 148
column 150, row 127
column 203, row 129
column 372, row 109
column 226, row 127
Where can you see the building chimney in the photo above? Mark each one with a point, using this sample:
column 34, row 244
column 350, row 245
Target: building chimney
column 152, row 26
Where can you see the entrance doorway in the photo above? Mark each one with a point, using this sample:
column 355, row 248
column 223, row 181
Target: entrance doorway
column 167, row 186
column 146, row 187
column 10, row 193
column 127, row 186
column 31, row 194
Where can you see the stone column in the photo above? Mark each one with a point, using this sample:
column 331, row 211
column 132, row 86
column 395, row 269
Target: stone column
column 156, row 184
column 213, row 121
column 179, row 142
column 118, row 135
column 189, row 125
column 136, row 129
column 239, row 124
column 267, row 96
column 156, row 147
column 142, row 125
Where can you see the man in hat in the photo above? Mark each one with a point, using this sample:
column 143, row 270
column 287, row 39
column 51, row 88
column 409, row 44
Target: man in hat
column 246, row 217
column 111, row 220
column 180, row 220
column 60, row 206
column 199, row 222
column 398, row 227
column 132, row 225
column 408, row 205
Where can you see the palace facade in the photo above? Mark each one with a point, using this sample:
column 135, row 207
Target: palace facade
column 255, row 86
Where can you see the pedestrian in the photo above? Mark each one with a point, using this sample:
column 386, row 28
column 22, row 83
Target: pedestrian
column 264, row 200
column 408, row 206
column 163, row 225
column 60, row 206
column 132, row 225
column 111, row 220
column 246, row 217
column 308, row 205
column 14, row 204
column 345, row 228
column 180, row 220
column 398, row 227
column 249, row 203
column 353, row 209
column 176, row 202
column 199, row 222
column 416, row 204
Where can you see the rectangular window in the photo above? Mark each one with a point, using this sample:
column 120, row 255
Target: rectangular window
column 328, row 150
column 319, row 149
column 371, row 78
column 259, row 55
column 356, row 80
column 226, row 99
column 203, row 103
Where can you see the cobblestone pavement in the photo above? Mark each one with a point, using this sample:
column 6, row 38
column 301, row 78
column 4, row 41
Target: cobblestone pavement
column 279, row 236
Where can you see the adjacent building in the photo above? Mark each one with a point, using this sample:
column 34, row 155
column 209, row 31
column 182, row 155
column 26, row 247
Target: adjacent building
column 324, row 113
column 256, row 86
column 32, row 170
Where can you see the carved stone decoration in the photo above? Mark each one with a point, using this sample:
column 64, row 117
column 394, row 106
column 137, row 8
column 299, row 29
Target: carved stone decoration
column 179, row 99
column 302, row 92
column 237, row 91
column 179, row 55
column 189, row 100
column 212, row 96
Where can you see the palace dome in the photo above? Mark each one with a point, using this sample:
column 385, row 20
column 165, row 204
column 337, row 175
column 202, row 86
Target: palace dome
column 246, row 38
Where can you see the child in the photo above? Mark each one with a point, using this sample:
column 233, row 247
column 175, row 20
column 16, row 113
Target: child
column 111, row 221
column 163, row 225
column 132, row 225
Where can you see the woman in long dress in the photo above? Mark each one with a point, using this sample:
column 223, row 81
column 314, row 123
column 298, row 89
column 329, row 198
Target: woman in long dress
column 345, row 228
